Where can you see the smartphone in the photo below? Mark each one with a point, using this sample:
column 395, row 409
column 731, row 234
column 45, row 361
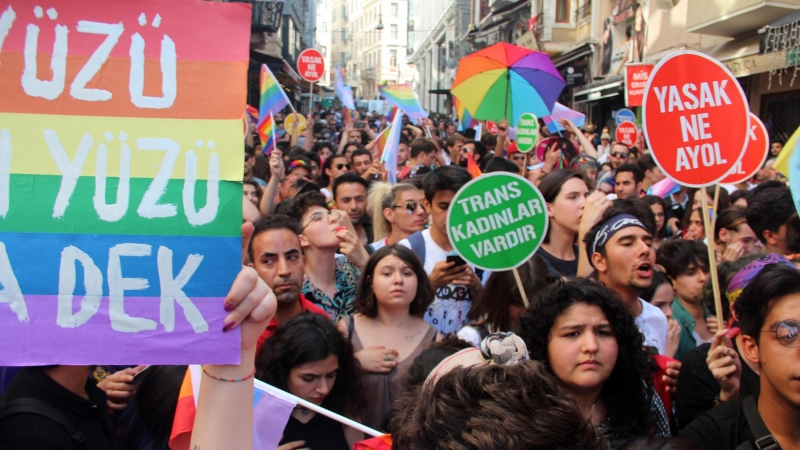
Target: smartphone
column 537, row 166
column 359, row 125
column 456, row 259
column 138, row 377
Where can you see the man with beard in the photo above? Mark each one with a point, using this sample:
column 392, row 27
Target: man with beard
column 276, row 255
column 620, row 248
column 350, row 196
column 686, row 264
column 619, row 155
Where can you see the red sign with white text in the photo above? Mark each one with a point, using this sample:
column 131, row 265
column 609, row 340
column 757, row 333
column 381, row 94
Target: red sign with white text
column 492, row 127
column 696, row 118
column 636, row 76
column 311, row 65
column 754, row 154
column 627, row 133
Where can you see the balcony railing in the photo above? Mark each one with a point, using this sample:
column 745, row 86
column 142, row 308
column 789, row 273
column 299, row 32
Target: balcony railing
column 584, row 11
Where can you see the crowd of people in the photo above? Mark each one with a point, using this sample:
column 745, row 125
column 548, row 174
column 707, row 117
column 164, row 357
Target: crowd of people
column 349, row 299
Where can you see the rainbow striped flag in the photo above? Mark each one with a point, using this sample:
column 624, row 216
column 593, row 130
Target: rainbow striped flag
column 382, row 139
column 348, row 116
column 465, row 120
column 404, row 97
column 273, row 97
column 344, row 93
column 391, row 147
column 271, row 410
column 266, row 132
column 392, row 112
column 120, row 216
column 252, row 112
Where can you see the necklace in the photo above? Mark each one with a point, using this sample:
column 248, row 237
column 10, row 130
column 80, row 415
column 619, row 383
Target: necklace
column 411, row 338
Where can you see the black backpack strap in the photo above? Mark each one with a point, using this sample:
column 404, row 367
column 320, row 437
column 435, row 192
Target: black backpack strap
column 764, row 439
column 418, row 245
column 30, row 405
column 351, row 327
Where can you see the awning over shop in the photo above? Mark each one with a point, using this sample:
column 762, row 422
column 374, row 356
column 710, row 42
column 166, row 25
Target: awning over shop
column 599, row 90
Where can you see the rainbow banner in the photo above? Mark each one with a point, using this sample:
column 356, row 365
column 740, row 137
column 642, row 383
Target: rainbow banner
column 404, row 97
column 120, row 180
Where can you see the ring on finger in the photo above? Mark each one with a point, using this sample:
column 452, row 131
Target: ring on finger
column 387, row 358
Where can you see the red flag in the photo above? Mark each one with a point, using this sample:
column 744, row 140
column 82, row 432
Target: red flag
column 472, row 167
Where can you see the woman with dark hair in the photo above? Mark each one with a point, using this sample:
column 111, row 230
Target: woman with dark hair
column 148, row 422
column 661, row 294
column 501, row 310
column 308, row 358
column 695, row 196
column 332, row 168
column 659, row 208
column 388, row 331
column 565, row 193
column 586, row 336
column 694, row 228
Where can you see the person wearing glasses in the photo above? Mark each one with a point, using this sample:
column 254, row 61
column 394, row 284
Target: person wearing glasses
column 768, row 311
column 398, row 212
column 330, row 279
column 332, row 168
column 619, row 155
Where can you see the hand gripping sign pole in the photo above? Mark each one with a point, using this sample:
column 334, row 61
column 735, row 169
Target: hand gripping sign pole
column 497, row 222
column 698, row 126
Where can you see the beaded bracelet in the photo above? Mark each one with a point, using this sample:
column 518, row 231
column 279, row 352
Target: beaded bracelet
column 229, row 379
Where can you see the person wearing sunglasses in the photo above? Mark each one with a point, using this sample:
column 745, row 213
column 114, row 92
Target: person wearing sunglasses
column 768, row 311
column 332, row 168
column 619, row 155
column 398, row 212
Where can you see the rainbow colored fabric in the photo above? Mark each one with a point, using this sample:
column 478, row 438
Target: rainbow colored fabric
column 404, row 97
column 744, row 276
column 273, row 97
column 121, row 181
column 391, row 148
column 266, row 132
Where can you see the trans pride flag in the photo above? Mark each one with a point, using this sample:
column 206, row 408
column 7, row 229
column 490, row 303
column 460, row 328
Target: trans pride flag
column 344, row 93
column 404, row 97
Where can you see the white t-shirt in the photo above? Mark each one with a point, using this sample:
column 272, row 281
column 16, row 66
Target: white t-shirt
column 654, row 326
column 377, row 245
column 448, row 312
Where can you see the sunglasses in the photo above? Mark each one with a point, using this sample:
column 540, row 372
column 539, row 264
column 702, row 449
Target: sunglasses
column 340, row 166
column 619, row 155
column 411, row 206
column 787, row 333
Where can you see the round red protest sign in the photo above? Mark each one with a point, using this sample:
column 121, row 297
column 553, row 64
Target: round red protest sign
column 311, row 65
column 754, row 154
column 696, row 117
column 492, row 127
column 627, row 133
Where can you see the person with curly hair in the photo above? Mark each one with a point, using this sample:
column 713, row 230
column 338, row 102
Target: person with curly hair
column 308, row 358
column 586, row 336
column 388, row 330
column 492, row 407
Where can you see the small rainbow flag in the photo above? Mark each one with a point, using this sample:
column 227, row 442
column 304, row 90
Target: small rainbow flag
column 344, row 93
column 392, row 112
column 273, row 97
column 266, row 131
column 404, row 97
column 465, row 120
column 347, row 115
column 472, row 167
column 392, row 146
column 252, row 112
column 382, row 139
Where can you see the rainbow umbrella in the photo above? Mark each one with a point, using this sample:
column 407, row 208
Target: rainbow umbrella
column 562, row 112
column 504, row 81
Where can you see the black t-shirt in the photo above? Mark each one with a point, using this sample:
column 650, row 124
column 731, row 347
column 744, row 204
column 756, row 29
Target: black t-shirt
column 722, row 428
column 319, row 432
column 698, row 388
column 559, row 267
column 35, row 432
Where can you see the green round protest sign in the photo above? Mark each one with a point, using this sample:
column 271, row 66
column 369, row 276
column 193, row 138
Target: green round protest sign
column 527, row 132
column 497, row 221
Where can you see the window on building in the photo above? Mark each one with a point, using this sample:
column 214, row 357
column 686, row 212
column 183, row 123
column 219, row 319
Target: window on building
column 395, row 10
column 324, row 51
column 342, row 59
column 343, row 37
column 393, row 58
column 562, row 11
column 393, row 28
column 344, row 12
